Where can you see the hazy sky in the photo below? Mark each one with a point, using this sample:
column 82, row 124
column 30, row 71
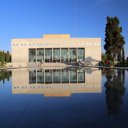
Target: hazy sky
column 80, row 18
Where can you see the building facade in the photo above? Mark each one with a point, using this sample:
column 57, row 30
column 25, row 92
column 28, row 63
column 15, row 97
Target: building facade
column 52, row 48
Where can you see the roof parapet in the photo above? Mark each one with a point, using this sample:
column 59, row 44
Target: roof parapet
column 56, row 36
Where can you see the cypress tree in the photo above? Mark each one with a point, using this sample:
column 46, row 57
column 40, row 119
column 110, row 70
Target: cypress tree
column 114, row 41
column 123, row 56
column 127, row 61
column 7, row 56
column 2, row 58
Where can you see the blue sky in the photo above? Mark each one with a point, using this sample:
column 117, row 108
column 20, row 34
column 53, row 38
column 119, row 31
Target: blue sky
column 80, row 18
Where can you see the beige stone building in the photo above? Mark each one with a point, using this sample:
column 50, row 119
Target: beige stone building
column 54, row 49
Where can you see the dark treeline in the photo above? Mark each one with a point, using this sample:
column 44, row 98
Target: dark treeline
column 4, row 57
column 5, row 75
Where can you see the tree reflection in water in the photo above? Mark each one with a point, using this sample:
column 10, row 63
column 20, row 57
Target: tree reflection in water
column 5, row 75
column 114, row 90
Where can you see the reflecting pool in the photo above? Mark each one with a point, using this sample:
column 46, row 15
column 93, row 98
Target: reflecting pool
column 63, row 98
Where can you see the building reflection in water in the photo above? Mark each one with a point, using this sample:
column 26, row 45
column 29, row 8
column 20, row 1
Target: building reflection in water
column 57, row 76
column 114, row 90
column 56, row 82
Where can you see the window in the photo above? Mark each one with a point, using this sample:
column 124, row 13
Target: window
column 56, row 55
column 32, row 55
column 40, row 55
column 73, row 55
column 81, row 54
column 64, row 55
column 48, row 55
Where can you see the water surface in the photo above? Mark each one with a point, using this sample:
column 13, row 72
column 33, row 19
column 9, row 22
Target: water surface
column 63, row 98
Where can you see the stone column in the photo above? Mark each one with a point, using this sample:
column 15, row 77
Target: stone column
column 52, row 54
column 44, row 55
column 68, row 55
column 60, row 55
column 77, row 54
column 36, row 55
column 44, row 76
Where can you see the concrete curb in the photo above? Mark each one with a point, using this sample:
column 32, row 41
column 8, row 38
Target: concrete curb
column 68, row 66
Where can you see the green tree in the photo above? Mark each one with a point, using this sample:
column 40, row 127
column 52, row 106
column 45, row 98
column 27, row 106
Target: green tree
column 114, row 41
column 103, row 56
column 127, row 61
column 2, row 58
column 7, row 55
column 123, row 56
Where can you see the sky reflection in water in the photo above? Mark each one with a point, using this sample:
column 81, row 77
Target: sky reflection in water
column 63, row 98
